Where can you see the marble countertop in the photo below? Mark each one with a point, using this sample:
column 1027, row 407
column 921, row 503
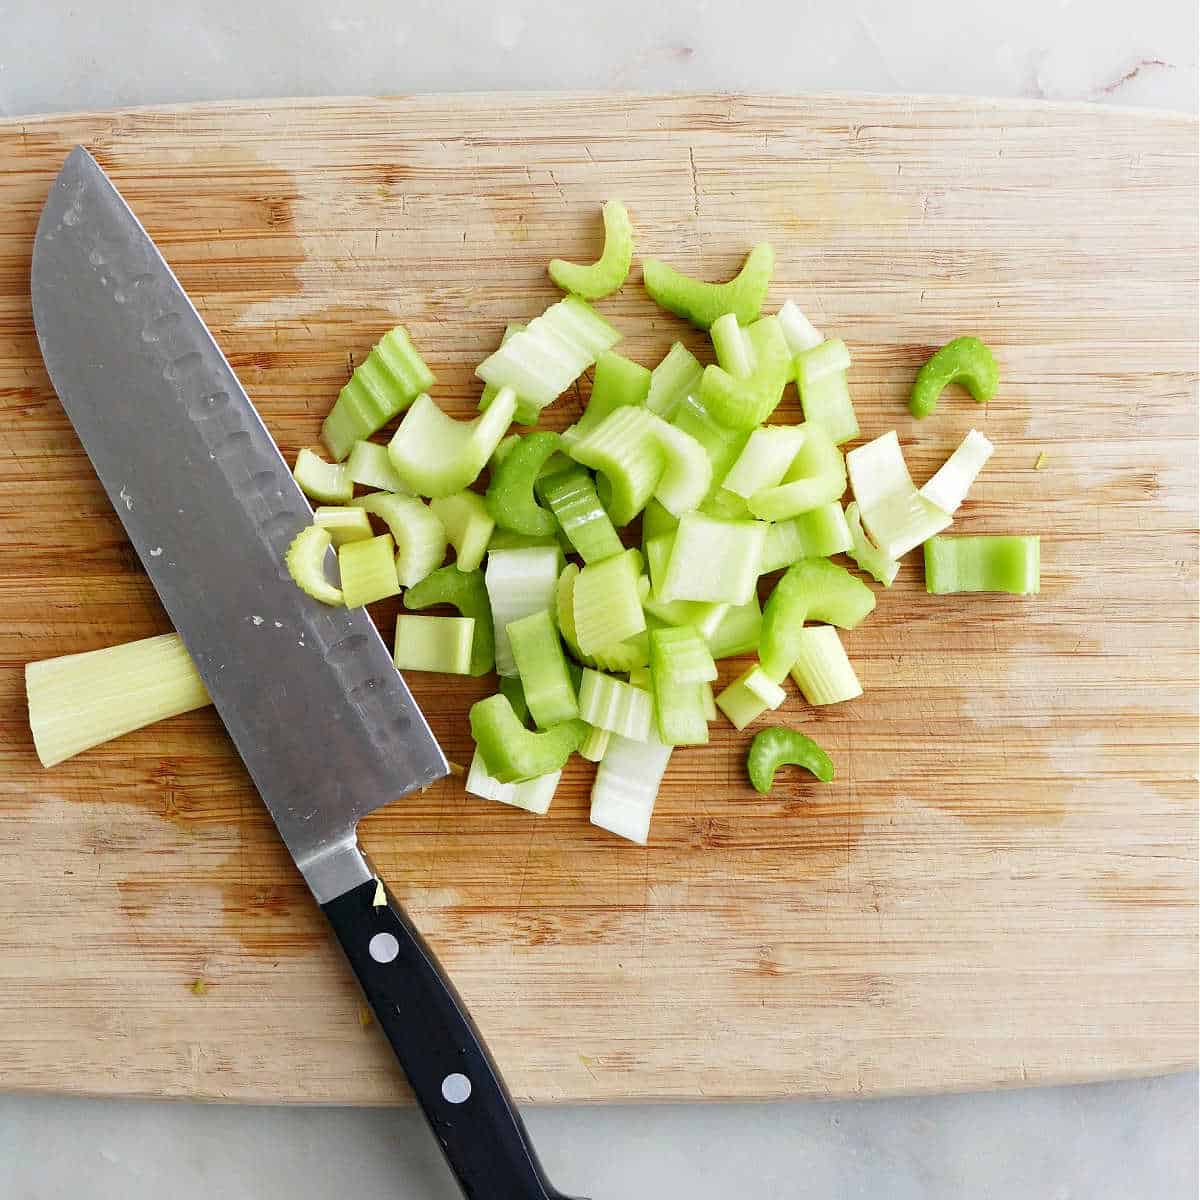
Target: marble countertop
column 1127, row 1140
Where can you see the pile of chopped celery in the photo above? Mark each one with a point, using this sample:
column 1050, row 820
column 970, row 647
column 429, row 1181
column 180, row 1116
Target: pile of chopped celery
column 603, row 571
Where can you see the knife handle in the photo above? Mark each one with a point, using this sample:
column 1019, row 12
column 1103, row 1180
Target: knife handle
column 444, row 1056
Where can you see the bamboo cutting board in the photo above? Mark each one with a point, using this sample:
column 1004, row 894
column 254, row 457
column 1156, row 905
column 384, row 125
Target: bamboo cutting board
column 999, row 888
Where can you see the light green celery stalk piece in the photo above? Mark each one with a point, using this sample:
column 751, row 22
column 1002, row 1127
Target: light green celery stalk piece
column 734, row 350
column 325, row 482
column 681, row 655
column 721, row 444
column 750, row 695
column 703, row 616
column 818, row 533
column 595, row 745
column 800, row 332
column 675, row 378
column 656, row 521
column 434, row 644
column 513, row 754
column 816, row 476
column 624, row 448
column 714, row 560
column 983, row 563
column 702, row 303
column 687, row 470
column 634, row 652
column 778, row 746
column 607, row 608
column 609, row 271
column 533, row 795
column 824, row 391
column 370, row 466
column 626, row 786
column 967, row 361
column 679, row 701
column 419, row 535
column 952, row 481
column 615, row 707
column 368, row 570
column 519, row 582
column 305, row 561
column 468, row 526
column 347, row 524
column 465, row 591
column 743, row 402
column 865, row 553
column 571, row 496
column 537, row 652
column 764, row 459
column 526, row 412
column 617, row 382
column 822, row 671
column 738, row 631
column 510, row 499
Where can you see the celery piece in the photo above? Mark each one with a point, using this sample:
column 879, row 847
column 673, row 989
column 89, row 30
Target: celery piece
column 778, row 746
column 81, row 700
column 343, row 524
column 526, row 412
column 511, row 753
column 626, row 786
column 738, row 630
column 617, row 382
column 305, row 561
column 571, row 497
column 734, row 350
column 949, row 486
column 608, row 272
column 965, row 360
column 864, row 551
column 533, row 795
column 687, row 471
column 419, row 535
column 325, row 482
column 815, row 534
column 722, row 445
column 725, row 506
column 368, row 570
column 468, row 526
column 800, row 332
column 510, row 499
column 681, row 655
column 370, row 465
column 434, row 644
column 816, row 476
column 745, row 402
column 606, row 606
column 464, row 590
column 656, row 521
column 680, row 669
column 714, row 560
column 505, row 539
column 383, row 385
column 892, row 510
column 813, row 589
column 822, row 671
column 750, row 695
column 510, row 687
column 608, row 704
column 704, row 617
column 675, row 378
column 519, row 582
column 624, row 448
column 503, row 449
column 595, row 745
column 622, row 656
column 702, row 303
column 983, row 563
column 764, row 459
column 710, row 703
column 550, row 353
column 824, row 391
column 436, row 455
column 538, row 654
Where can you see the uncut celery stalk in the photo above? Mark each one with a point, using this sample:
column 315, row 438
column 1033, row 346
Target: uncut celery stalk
column 525, row 413
column 714, row 560
column 625, row 450
column 949, row 486
column 305, row 562
column 800, row 332
column 738, row 630
column 616, row 707
column 464, row 590
column 607, row 608
column 325, row 482
column 675, row 378
column 750, row 695
column 815, row 534
column 519, row 582
column 702, row 303
column 368, row 570
column 764, row 459
column 467, row 524
column 419, row 535
column 617, row 382
column 370, row 466
column 865, row 553
column 816, row 476
column 538, row 655
column 571, row 497
column 822, row 671
column 605, row 275
column 824, row 391
column 343, row 524
column 434, row 644
column 533, row 795
column 81, row 700
column 626, row 786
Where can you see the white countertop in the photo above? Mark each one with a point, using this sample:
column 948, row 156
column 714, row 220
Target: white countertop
column 1124, row 1141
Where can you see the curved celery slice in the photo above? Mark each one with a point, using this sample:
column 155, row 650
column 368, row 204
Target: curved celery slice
column 824, row 391
column 816, row 476
column 543, row 669
column 434, row 644
column 676, row 377
column 626, row 452
column 738, row 631
column 812, row 590
column 608, row 272
column 510, row 499
column 702, row 303
column 519, row 582
column 800, row 332
column 526, row 412
column 816, row 534
column 541, row 361
column 468, row 526
column 750, row 695
column 606, row 607
column 305, row 561
column 687, row 471
column 436, row 455
column 965, row 360
column 595, row 745
column 325, row 482
column 984, row 563
column 383, row 385
column 617, row 382
column 81, row 700
column 764, row 459
column 511, row 753
column 679, row 701
column 734, row 350
column 626, row 786
column 714, row 560
column 465, row 591
column 533, row 795
column 419, row 536
column 370, row 466
column 864, row 551
column 608, row 704
column 623, row 656
column 949, row 486
column 368, row 570
column 347, row 524
column 776, row 747
column 571, row 497
column 742, row 402
column 822, row 671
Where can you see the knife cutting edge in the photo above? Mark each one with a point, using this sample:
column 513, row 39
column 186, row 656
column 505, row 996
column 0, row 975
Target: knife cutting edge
column 323, row 721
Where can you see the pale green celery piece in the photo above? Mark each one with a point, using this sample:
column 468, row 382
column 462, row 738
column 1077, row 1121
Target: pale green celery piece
column 383, row 385
column 512, row 753
column 680, row 655
column 370, row 466
column 435, row 455
column 675, row 378
column 800, row 332
column 606, row 607
column 608, row 272
column 519, row 582
column 657, row 552
column 764, row 459
column 81, row 700
column 679, row 708
column 617, row 382
column 625, row 449
column 967, row 361
column 714, row 560
column 325, row 482
column 750, row 695
column 865, row 553
column 419, row 535
column 305, row 561
column 817, row 476
column 434, row 644
column 526, row 412
column 702, row 303
column 533, row 795
column 822, row 671
column 950, row 484
column 710, row 703
column 616, row 707
column 571, row 497
column 687, row 472
column 537, row 652
column 624, row 656
column 656, row 521
column 626, row 786
column 550, row 353
column 722, row 445
column 368, row 570
column 743, row 402
column 727, row 507
column 734, row 350
column 984, row 563
column 702, row 616
column 595, row 745
column 466, row 591
column 343, row 524
column 824, row 391
column 738, row 630
column 819, row 533
column 468, row 526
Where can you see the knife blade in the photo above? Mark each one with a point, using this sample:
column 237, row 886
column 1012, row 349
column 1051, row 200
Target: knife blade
column 323, row 721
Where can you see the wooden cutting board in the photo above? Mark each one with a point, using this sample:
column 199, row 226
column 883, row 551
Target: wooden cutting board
column 1000, row 886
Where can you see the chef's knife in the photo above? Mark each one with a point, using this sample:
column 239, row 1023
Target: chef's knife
column 322, row 719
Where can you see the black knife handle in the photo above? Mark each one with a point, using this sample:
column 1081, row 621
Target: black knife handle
column 442, row 1053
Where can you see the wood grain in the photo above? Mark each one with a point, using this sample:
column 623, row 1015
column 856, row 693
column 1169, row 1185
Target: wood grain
column 1000, row 887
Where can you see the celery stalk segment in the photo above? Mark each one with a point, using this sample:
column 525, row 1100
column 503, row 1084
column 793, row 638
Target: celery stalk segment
column 434, row 644
column 983, row 563
column 965, row 360
column 538, row 654
column 465, row 591
column 605, row 275
column 778, row 746
column 510, row 494
column 702, row 303
column 822, row 671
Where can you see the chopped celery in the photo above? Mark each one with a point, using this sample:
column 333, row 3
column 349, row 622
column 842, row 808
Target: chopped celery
column 538, row 654
column 468, row 526
column 519, row 582
column 503, row 448
column 949, row 486
column 714, row 560
column 464, row 590
column 764, row 459
column 750, row 695
column 526, row 412
column 725, row 506
column 343, row 524
column 616, row 707
column 550, row 353
column 822, row 671
column 505, row 539
column 776, row 747
column 816, row 476
column 816, row 534
column 434, row 644
column 814, row 589
column 722, row 445
column 571, row 497
column 744, row 402
column 617, row 382
column 702, row 303
column 533, row 795
column 368, row 570
column 418, row 533
column 687, row 471
column 625, row 450
column 370, row 466
column 626, row 786
column 681, row 655
column 639, row 677
column 511, row 753
column 984, row 563
column 510, row 687
column 710, row 703
column 608, row 272
column 305, row 561
column 800, row 332
column 595, row 745
column 656, row 521
column 325, row 482
column 824, row 392
column 510, row 499
column 967, row 361
column 864, row 551
column 738, row 630
column 703, row 616
column 678, row 673
column 81, row 700
column 606, row 607
column 674, row 379
column 383, row 385
column 734, row 350
column 623, row 656
column 436, row 455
